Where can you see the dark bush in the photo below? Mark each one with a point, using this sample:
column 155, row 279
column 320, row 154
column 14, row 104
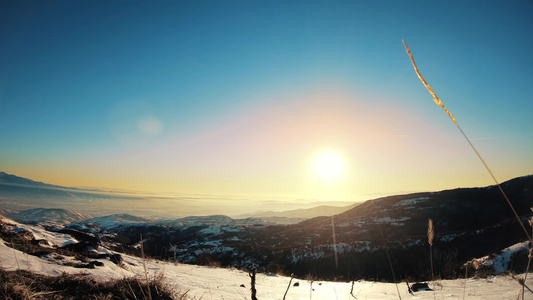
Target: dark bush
column 26, row 285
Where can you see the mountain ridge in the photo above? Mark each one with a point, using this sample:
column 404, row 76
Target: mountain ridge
column 468, row 223
column 6, row 178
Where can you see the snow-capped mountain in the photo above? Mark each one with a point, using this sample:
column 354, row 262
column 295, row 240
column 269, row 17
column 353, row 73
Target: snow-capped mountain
column 113, row 221
column 55, row 217
column 217, row 220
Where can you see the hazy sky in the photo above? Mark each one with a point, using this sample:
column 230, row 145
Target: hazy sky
column 239, row 97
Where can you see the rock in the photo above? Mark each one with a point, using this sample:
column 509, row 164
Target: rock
column 87, row 238
column 96, row 263
column 116, row 258
column 420, row 286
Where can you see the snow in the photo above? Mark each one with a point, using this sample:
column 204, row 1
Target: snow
column 217, row 283
column 114, row 221
column 500, row 263
column 411, row 202
column 216, row 220
column 211, row 230
column 39, row 233
column 392, row 221
column 450, row 237
column 49, row 217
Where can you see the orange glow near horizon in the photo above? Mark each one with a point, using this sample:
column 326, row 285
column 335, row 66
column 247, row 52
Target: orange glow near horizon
column 271, row 151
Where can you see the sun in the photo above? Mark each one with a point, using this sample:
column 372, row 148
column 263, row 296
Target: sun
column 329, row 165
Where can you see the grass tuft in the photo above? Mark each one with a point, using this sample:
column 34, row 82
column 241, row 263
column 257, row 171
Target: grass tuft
column 26, row 285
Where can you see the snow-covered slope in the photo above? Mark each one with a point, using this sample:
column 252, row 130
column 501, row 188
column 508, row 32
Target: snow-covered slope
column 38, row 233
column 216, row 283
column 217, row 220
column 113, row 221
column 48, row 216
column 500, row 263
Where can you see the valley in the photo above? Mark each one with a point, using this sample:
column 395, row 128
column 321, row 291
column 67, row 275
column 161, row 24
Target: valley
column 351, row 245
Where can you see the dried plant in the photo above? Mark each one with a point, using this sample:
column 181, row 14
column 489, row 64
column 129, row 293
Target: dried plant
column 441, row 104
column 431, row 235
column 437, row 101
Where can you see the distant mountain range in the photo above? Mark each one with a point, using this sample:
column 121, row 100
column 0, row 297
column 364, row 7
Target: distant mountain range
column 18, row 193
column 289, row 216
column 47, row 216
column 468, row 222
column 12, row 179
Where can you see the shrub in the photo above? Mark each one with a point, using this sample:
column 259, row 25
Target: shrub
column 26, row 285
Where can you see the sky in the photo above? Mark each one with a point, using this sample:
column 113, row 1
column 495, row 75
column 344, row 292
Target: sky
column 239, row 97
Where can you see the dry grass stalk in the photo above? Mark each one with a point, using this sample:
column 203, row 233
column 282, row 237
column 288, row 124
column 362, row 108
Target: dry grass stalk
column 145, row 271
column 27, row 285
column 466, row 276
column 439, row 103
column 252, row 282
column 522, row 282
column 530, row 254
column 175, row 249
column 431, row 235
column 428, row 87
column 290, row 281
column 351, row 290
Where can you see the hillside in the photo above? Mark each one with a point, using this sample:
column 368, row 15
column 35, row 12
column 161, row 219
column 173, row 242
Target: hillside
column 298, row 215
column 469, row 223
column 16, row 180
column 56, row 272
column 48, row 217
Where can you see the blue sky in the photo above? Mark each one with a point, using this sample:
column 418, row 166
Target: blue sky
column 236, row 97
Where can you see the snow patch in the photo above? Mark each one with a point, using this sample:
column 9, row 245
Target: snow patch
column 391, row 221
column 499, row 264
column 114, row 221
column 39, row 233
column 53, row 217
column 411, row 202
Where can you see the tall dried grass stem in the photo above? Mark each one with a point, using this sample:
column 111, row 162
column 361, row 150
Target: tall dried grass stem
column 145, row 271
column 466, row 276
column 431, row 235
column 252, row 282
column 388, row 256
column 288, row 286
column 439, row 103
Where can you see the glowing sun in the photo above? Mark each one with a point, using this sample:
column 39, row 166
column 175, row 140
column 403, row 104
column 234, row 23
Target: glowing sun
column 328, row 165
